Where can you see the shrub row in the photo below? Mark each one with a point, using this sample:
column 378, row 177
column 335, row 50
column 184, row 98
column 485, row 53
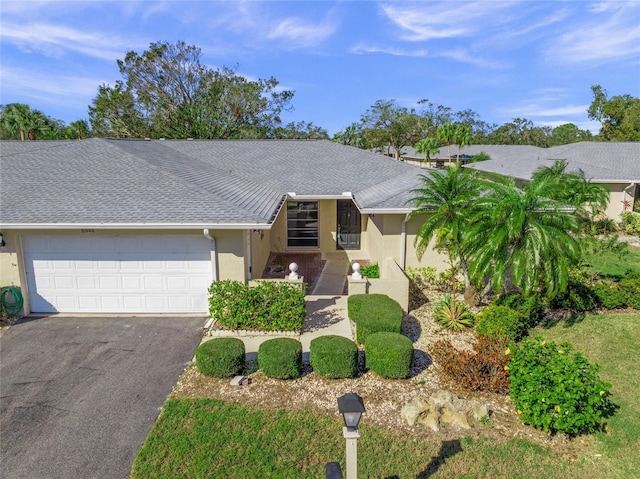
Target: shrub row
column 374, row 313
column 631, row 222
column 390, row 355
column 268, row 306
column 555, row 390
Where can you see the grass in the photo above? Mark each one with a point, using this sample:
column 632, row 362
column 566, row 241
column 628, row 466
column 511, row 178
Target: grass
column 209, row 438
column 608, row 263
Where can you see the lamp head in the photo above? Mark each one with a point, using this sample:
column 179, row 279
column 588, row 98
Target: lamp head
column 351, row 407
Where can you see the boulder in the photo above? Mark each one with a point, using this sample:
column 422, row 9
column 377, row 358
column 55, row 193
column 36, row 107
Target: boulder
column 451, row 417
column 412, row 410
column 430, row 420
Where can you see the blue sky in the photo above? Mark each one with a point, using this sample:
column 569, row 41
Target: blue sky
column 530, row 59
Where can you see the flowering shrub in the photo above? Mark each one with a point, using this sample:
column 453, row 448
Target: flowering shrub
column 555, row 390
column 484, row 369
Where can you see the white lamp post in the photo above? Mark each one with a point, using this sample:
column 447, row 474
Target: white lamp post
column 351, row 407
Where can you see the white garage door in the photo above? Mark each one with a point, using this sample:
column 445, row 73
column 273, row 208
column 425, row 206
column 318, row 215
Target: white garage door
column 117, row 274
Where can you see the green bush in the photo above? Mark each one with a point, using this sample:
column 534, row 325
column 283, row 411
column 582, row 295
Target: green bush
column 531, row 308
column 579, row 296
column 481, row 370
column 221, row 357
column 334, row 357
column 610, row 296
column 501, row 322
column 267, row 306
column 280, row 358
column 631, row 222
column 389, row 355
column 557, row 391
column 371, row 271
column 454, row 318
column 630, row 286
column 374, row 313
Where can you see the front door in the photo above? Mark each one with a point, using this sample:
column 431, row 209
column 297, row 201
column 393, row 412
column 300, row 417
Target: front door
column 348, row 225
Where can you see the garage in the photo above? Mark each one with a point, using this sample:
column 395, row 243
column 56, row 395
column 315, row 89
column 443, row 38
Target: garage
column 91, row 273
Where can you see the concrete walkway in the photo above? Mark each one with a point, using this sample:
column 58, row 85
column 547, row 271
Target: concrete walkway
column 333, row 275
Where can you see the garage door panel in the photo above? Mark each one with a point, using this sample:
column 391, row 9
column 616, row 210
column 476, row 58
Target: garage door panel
column 117, row 273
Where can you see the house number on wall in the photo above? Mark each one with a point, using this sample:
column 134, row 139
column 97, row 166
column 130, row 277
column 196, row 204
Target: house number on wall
column 88, row 230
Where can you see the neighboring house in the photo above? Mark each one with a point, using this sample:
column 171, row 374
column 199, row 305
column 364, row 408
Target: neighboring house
column 114, row 225
column 614, row 164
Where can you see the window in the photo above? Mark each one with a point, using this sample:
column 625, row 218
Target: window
column 302, row 224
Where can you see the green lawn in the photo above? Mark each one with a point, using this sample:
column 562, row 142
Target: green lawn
column 609, row 264
column 203, row 438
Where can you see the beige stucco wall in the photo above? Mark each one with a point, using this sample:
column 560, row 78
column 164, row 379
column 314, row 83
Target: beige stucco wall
column 231, row 248
column 618, row 196
column 261, row 248
column 9, row 258
column 384, row 239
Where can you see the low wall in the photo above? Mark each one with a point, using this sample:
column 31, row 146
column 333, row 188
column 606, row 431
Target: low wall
column 393, row 283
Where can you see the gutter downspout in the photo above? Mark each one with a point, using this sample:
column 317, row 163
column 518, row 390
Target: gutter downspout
column 403, row 242
column 249, row 256
column 214, row 255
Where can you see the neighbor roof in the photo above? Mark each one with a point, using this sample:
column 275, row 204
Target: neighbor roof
column 602, row 162
column 181, row 183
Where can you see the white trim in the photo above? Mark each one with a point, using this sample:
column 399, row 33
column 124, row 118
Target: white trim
column 385, row 211
column 294, row 196
column 134, row 226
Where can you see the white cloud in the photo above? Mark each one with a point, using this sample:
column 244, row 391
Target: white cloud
column 537, row 110
column 610, row 33
column 50, row 88
column 55, row 40
column 437, row 20
column 361, row 48
column 301, row 32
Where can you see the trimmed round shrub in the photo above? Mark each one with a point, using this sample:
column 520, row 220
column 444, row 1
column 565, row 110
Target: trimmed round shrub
column 280, row 358
column 556, row 390
column 221, row 357
column 501, row 322
column 374, row 313
column 334, row 357
column 389, row 355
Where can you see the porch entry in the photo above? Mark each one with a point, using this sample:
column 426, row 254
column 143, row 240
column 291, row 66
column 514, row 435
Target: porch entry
column 349, row 225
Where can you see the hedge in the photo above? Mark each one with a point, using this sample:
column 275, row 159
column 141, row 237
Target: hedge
column 334, row 357
column 280, row 358
column 267, row 306
column 374, row 313
column 389, row 355
column 221, row 357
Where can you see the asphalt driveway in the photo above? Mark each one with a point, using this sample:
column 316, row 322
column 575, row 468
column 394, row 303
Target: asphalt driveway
column 79, row 395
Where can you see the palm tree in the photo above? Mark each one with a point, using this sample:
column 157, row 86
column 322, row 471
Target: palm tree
column 445, row 133
column 462, row 137
column 589, row 199
column 448, row 198
column 428, row 147
column 523, row 238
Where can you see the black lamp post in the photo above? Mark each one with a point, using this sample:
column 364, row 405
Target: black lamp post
column 351, row 407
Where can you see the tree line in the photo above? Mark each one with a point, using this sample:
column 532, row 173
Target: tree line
column 167, row 92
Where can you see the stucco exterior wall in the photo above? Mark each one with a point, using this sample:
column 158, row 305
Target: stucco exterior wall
column 231, row 250
column 9, row 261
column 261, row 248
column 619, row 193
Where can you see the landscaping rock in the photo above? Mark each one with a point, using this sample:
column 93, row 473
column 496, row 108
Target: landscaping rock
column 412, row 410
column 443, row 409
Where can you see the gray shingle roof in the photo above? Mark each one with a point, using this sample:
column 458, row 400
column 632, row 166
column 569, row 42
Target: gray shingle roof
column 601, row 162
column 201, row 183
